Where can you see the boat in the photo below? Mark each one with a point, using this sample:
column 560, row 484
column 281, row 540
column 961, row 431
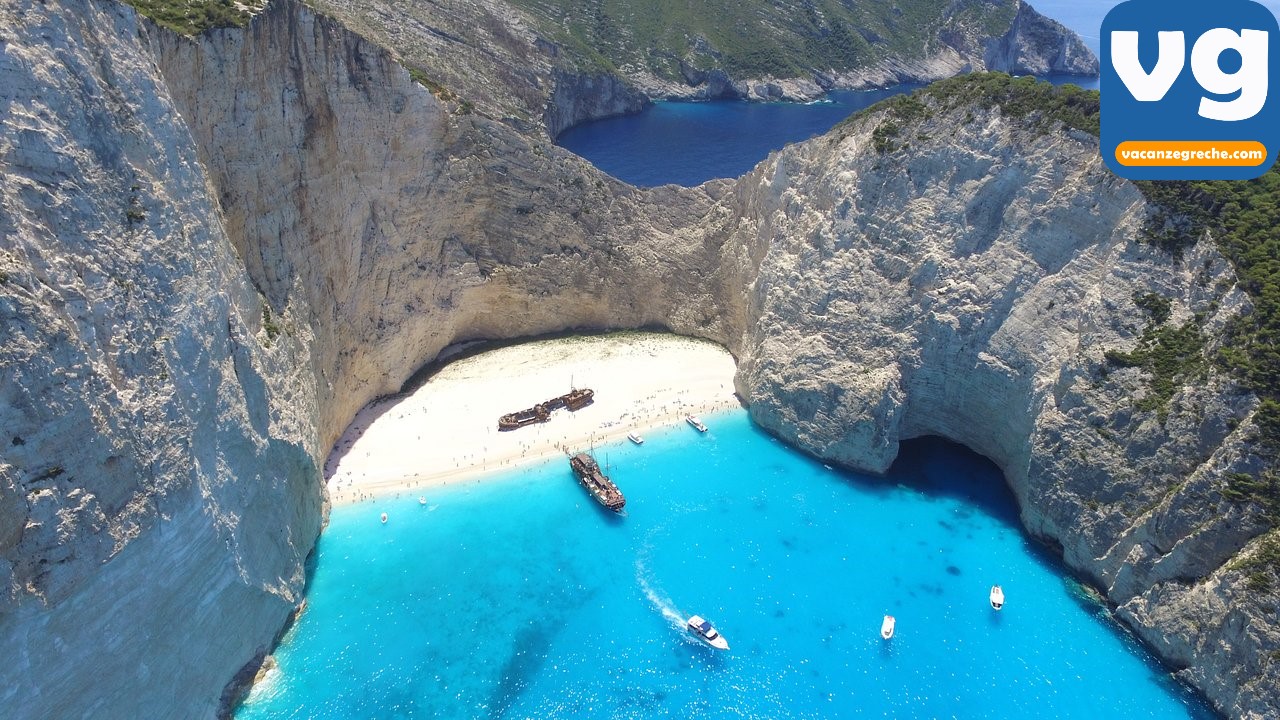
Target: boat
column 573, row 401
column 422, row 500
column 702, row 630
column 635, row 438
column 696, row 422
column 384, row 518
column 577, row 399
column 997, row 597
column 886, row 627
column 596, row 482
column 516, row 420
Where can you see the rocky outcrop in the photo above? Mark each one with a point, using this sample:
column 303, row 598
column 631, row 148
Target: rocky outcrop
column 214, row 251
column 968, row 288
column 494, row 56
column 577, row 97
column 1037, row 45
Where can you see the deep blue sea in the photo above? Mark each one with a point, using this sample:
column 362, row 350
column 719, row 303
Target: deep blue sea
column 688, row 143
column 519, row 597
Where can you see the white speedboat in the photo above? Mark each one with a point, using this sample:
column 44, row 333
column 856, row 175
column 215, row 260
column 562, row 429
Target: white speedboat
column 696, row 422
column 635, row 438
column 997, row 597
column 707, row 634
column 886, row 627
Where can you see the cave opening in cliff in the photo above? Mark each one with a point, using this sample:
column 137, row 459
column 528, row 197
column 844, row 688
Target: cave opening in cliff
column 943, row 468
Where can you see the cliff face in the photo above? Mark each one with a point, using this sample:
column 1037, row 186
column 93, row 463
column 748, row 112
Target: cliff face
column 968, row 288
column 214, row 251
column 157, row 456
column 382, row 225
column 494, row 56
column 1037, row 45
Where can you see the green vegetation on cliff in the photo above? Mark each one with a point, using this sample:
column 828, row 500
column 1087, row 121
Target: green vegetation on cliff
column 750, row 38
column 1243, row 219
column 1172, row 355
column 191, row 17
column 1263, row 565
column 1025, row 98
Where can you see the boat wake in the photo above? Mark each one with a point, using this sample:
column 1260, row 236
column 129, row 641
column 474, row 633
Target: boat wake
column 660, row 602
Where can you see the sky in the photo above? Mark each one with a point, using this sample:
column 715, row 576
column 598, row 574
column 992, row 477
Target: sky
column 1085, row 16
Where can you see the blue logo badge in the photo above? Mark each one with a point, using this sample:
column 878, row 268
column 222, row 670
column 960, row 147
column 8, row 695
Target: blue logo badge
column 1186, row 90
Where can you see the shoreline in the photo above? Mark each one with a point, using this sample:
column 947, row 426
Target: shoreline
column 444, row 433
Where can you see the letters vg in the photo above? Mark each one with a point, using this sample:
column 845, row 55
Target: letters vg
column 1250, row 81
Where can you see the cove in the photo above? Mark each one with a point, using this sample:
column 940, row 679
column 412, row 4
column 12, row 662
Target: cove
column 517, row 596
column 689, row 143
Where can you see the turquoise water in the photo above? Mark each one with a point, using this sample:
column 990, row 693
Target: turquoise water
column 519, row 597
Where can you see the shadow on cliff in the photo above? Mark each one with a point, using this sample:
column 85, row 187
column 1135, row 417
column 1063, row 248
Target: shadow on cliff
column 471, row 348
column 941, row 468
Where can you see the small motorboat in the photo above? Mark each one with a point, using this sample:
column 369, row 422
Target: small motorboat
column 635, row 438
column 384, row 518
column 422, row 500
column 997, row 597
column 696, row 422
column 886, row 627
column 707, row 634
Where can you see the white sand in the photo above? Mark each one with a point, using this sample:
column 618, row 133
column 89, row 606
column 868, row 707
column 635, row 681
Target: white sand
column 447, row 431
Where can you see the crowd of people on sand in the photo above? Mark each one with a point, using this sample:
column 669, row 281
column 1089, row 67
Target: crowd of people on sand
column 534, row 443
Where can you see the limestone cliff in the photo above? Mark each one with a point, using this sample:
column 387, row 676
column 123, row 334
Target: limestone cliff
column 158, row 490
column 1037, row 45
column 214, row 250
column 384, row 225
column 796, row 51
column 494, row 56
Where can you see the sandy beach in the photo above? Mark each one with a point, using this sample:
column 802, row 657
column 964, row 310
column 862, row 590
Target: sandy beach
column 446, row 432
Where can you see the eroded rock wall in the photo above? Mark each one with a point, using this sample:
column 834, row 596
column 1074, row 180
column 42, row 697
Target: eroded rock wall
column 158, row 473
column 1037, row 45
column 382, row 225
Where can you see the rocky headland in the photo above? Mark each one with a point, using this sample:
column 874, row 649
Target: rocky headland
column 556, row 64
column 215, row 249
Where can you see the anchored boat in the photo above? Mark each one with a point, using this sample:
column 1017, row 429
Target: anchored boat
column 696, row 422
column 596, row 482
column 635, row 438
column 707, row 634
column 886, row 627
column 997, row 597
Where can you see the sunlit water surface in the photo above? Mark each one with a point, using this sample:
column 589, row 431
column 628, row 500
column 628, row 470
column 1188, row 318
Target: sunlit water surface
column 519, row 597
